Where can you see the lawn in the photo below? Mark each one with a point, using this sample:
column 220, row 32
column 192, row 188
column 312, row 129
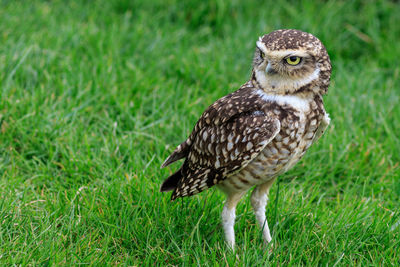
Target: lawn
column 96, row 94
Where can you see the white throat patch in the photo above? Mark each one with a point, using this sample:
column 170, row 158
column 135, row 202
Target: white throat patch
column 296, row 102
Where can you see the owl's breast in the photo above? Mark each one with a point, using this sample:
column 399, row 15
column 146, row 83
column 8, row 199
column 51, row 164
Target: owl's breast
column 291, row 143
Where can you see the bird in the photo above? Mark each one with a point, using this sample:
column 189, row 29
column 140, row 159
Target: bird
column 249, row 137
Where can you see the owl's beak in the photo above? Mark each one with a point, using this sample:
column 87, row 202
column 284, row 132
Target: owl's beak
column 270, row 70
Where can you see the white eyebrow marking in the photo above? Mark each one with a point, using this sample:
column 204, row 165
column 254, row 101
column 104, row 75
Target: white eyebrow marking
column 281, row 53
column 261, row 46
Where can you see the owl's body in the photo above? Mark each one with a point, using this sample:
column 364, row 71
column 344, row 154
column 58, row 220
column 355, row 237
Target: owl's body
column 260, row 131
column 299, row 122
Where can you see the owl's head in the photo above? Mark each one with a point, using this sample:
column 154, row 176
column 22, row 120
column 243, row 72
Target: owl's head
column 291, row 61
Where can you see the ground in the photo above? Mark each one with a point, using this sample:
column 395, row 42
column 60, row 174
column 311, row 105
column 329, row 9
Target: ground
column 95, row 95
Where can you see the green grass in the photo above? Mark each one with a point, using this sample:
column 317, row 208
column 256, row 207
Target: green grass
column 95, row 95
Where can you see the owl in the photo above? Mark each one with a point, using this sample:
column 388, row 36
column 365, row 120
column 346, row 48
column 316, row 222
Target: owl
column 248, row 138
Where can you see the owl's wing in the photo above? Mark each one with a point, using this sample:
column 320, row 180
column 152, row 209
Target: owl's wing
column 221, row 150
column 232, row 105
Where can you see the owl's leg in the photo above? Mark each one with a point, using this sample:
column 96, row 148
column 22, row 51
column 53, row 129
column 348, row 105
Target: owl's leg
column 259, row 199
column 228, row 217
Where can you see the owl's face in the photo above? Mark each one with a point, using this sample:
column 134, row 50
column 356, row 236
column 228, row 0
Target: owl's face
column 287, row 61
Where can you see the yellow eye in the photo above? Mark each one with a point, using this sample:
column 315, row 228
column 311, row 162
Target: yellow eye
column 262, row 55
column 293, row 60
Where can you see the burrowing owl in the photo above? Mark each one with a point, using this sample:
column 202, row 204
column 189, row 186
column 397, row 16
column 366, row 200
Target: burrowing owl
column 260, row 131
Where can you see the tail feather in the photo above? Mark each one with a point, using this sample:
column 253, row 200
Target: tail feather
column 171, row 182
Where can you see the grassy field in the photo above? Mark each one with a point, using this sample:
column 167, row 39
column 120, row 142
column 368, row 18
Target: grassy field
column 95, row 95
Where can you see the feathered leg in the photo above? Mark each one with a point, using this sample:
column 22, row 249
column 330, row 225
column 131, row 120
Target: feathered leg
column 259, row 199
column 228, row 217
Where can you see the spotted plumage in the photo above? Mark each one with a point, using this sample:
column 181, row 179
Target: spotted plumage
column 260, row 131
